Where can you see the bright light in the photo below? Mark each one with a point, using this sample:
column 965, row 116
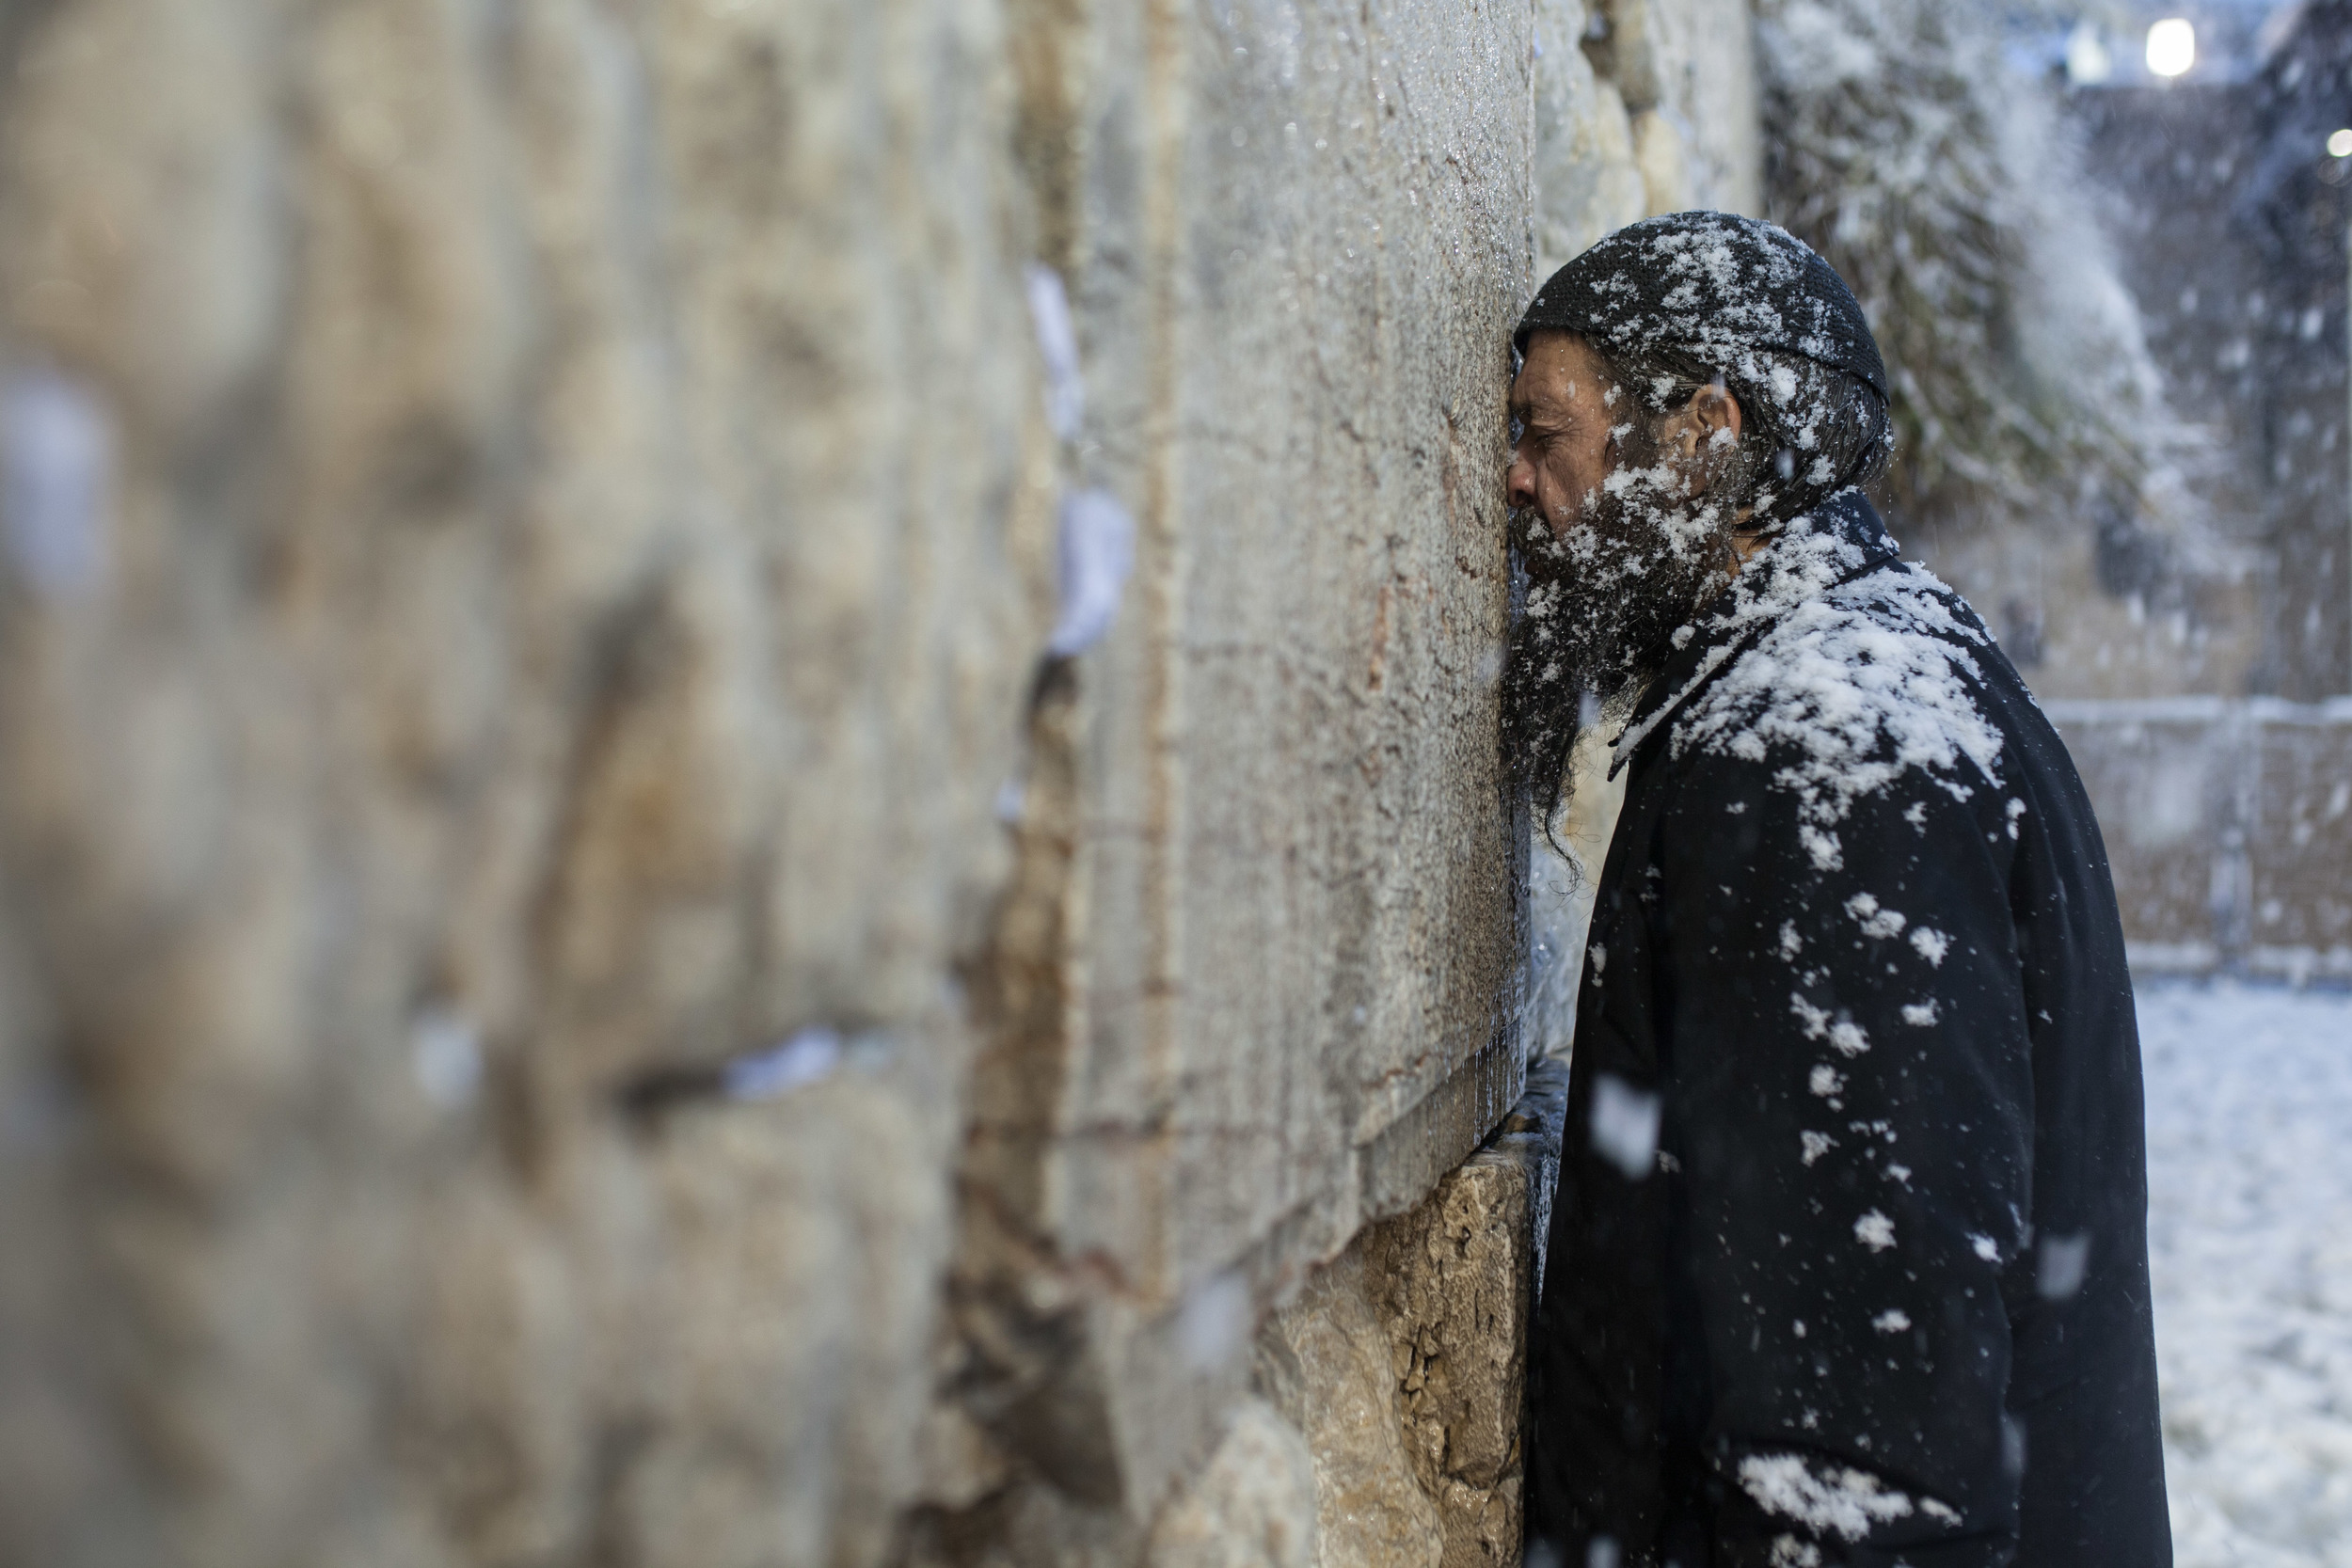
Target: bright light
column 2087, row 62
column 2171, row 47
column 2340, row 145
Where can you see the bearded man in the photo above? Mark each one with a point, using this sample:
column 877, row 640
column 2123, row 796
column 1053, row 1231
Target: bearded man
column 1847, row 1263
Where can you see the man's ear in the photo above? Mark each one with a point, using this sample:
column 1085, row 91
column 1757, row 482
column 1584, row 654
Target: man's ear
column 1700, row 434
column 1712, row 410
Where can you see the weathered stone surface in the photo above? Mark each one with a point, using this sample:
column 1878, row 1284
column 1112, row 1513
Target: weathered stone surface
column 1251, row 1506
column 1642, row 107
column 1255, row 982
column 524, row 558
column 1330, row 1365
column 530, row 550
column 1404, row 1362
column 1587, row 181
column 2229, row 827
column 1690, row 63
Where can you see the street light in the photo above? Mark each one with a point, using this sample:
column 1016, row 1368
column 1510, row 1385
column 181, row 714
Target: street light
column 2171, row 46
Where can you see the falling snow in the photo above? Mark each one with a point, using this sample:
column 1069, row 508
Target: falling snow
column 1825, row 1497
column 1875, row 1231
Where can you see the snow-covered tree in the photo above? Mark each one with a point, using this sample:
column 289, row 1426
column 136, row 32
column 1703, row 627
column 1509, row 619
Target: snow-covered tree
column 1943, row 184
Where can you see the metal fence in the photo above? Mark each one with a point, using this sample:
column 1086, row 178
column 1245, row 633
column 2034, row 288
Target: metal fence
column 2229, row 824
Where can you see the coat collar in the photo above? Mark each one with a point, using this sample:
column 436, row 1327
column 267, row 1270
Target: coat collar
column 1839, row 541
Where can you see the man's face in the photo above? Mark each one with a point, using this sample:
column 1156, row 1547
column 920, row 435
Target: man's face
column 1615, row 514
column 1613, row 508
column 1562, row 406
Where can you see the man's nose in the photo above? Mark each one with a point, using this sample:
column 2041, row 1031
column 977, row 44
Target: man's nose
column 1518, row 481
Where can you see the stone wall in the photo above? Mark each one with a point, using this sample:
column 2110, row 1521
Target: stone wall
column 747, row 765
column 2228, row 825
column 1642, row 106
column 529, row 528
column 1404, row 1362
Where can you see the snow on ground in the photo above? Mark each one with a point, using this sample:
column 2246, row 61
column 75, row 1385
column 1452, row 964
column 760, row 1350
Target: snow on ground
column 2249, row 1169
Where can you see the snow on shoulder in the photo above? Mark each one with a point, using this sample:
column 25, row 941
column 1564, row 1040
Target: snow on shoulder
column 1855, row 680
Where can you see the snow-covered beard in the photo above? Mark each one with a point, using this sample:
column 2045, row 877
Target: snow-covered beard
column 1602, row 607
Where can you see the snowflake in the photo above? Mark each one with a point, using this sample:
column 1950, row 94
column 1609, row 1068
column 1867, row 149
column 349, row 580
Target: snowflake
column 1845, row 1500
column 1876, row 921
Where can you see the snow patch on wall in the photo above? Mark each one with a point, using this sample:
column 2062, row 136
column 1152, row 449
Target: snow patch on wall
column 56, row 457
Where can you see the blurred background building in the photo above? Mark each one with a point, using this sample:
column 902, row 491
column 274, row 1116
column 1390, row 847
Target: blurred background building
column 2226, row 186
column 2105, row 246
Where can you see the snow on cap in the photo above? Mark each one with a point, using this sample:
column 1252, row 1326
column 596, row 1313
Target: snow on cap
column 1714, row 287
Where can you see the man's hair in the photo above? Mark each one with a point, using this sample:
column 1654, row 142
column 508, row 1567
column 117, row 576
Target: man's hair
column 1808, row 431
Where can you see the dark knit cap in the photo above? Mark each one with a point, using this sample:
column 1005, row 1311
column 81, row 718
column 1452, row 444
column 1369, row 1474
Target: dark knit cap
column 1712, row 288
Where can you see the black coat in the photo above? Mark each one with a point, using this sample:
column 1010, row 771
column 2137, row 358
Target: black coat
column 1847, row 1263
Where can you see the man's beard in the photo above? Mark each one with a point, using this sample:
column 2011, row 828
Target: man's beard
column 1602, row 607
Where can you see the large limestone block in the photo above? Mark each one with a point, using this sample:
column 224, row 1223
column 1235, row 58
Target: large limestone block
column 1692, row 62
column 1252, row 1505
column 1404, row 1362
column 1642, row 107
column 1298, row 795
column 526, row 540
column 1255, row 984
column 1587, row 180
column 1332, row 1366
column 1660, row 153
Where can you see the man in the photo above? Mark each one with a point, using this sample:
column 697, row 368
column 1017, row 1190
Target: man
column 1847, row 1263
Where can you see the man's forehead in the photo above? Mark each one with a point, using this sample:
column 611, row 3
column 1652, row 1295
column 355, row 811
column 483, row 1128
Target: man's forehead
column 1554, row 362
column 1550, row 345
